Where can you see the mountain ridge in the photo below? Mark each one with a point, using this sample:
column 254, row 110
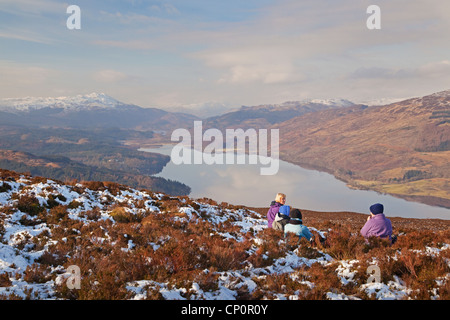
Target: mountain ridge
column 87, row 111
column 92, row 100
column 401, row 148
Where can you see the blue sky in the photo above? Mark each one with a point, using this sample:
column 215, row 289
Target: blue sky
column 187, row 53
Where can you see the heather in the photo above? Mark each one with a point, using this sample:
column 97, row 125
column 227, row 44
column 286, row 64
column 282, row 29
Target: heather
column 137, row 244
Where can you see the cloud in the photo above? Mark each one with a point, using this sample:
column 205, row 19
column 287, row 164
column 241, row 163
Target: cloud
column 247, row 52
column 23, row 74
column 140, row 44
column 24, row 36
column 430, row 70
column 109, row 76
column 33, row 7
column 129, row 18
column 167, row 8
column 379, row 73
column 19, row 79
column 435, row 69
column 259, row 63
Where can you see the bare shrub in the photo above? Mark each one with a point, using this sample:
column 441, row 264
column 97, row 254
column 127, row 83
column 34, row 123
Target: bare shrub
column 29, row 204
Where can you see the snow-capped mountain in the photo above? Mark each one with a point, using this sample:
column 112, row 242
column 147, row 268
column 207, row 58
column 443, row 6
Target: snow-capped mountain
column 302, row 104
column 268, row 114
column 90, row 110
column 75, row 103
column 331, row 102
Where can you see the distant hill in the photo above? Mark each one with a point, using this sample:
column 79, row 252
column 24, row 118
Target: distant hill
column 263, row 116
column 401, row 148
column 63, row 168
column 87, row 111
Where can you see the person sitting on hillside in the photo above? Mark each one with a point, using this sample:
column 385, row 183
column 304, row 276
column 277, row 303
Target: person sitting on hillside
column 377, row 224
column 281, row 218
column 280, row 200
column 296, row 226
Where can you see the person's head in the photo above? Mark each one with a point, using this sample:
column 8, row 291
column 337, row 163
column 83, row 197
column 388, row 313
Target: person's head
column 376, row 208
column 281, row 198
column 295, row 214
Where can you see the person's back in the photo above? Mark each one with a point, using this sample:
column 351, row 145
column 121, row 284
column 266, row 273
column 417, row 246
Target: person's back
column 281, row 218
column 280, row 200
column 295, row 225
column 377, row 224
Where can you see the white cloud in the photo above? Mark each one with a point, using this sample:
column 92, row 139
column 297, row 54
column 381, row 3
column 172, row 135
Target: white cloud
column 23, row 74
column 284, row 50
column 261, row 63
column 130, row 18
column 109, row 76
column 19, row 79
column 33, row 7
column 437, row 69
column 24, row 36
column 167, row 8
column 140, row 44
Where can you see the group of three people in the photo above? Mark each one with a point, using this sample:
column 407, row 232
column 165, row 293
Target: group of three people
column 281, row 217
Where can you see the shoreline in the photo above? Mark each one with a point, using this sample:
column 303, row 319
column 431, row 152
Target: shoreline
column 426, row 200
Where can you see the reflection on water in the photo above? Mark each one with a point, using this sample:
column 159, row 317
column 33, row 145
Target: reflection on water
column 308, row 189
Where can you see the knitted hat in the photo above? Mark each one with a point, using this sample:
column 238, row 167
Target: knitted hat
column 376, row 208
column 295, row 213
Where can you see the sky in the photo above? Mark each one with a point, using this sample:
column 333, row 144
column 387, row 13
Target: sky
column 191, row 53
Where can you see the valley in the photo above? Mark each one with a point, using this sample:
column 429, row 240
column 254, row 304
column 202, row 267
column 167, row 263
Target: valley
column 83, row 155
column 401, row 148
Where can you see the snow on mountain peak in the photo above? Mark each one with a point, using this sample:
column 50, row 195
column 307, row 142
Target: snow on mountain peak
column 333, row 102
column 92, row 100
column 327, row 102
column 441, row 94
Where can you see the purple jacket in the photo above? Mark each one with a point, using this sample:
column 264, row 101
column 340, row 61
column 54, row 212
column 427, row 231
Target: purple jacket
column 378, row 226
column 273, row 210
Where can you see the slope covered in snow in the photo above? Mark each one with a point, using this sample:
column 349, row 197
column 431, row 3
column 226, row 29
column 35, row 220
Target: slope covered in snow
column 136, row 244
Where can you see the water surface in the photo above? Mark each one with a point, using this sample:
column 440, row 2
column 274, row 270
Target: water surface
column 242, row 184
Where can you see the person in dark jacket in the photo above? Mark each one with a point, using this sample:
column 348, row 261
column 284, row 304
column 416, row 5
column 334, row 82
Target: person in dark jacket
column 280, row 200
column 295, row 225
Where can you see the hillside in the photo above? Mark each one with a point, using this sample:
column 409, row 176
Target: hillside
column 88, row 154
column 137, row 244
column 63, row 168
column 263, row 116
column 401, row 148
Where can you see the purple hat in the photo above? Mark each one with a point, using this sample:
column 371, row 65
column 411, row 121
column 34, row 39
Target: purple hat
column 376, row 208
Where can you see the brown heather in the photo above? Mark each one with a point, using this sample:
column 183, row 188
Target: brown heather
column 167, row 248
